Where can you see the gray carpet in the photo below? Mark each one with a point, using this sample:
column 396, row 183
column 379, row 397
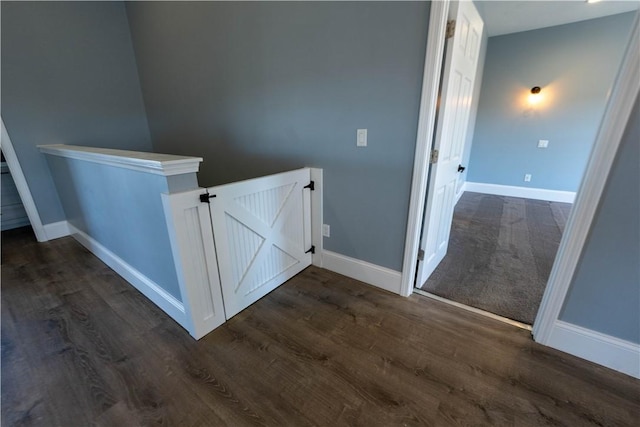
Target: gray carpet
column 500, row 254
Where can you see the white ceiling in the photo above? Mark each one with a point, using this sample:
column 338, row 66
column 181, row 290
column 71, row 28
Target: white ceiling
column 504, row 17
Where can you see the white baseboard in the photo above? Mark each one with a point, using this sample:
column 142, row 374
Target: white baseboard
column 371, row 274
column 523, row 192
column 167, row 302
column 614, row 353
column 55, row 230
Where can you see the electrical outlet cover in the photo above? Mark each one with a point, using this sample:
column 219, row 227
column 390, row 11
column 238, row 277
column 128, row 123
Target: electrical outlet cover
column 543, row 143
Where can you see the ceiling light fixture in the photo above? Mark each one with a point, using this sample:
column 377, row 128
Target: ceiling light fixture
column 535, row 96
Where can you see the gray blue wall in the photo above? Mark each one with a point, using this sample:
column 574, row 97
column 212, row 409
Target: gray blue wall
column 575, row 65
column 263, row 87
column 68, row 76
column 126, row 216
column 605, row 292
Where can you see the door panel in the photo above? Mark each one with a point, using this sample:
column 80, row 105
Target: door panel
column 262, row 233
column 451, row 130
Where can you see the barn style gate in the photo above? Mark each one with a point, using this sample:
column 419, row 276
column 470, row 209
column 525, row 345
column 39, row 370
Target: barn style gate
column 235, row 243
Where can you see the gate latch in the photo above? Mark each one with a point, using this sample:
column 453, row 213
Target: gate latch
column 204, row 198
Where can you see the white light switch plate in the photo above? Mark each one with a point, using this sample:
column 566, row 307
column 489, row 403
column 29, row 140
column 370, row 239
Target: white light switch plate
column 361, row 138
column 326, row 230
column 527, row 177
column 543, row 143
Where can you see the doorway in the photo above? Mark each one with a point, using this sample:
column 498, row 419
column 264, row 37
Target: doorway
column 521, row 199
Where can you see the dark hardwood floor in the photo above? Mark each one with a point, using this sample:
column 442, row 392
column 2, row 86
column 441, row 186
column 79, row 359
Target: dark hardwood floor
column 81, row 347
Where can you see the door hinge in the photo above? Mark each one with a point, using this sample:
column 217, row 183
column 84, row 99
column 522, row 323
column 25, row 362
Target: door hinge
column 204, row 198
column 312, row 250
column 451, row 29
column 420, row 255
column 434, row 156
column 311, row 186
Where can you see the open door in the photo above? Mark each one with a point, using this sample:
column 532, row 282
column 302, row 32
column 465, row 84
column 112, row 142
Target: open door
column 459, row 74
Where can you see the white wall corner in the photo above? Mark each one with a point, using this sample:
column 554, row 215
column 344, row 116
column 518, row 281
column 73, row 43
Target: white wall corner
column 522, row 192
column 167, row 302
column 612, row 352
column 55, row 230
column 21, row 185
column 371, row 274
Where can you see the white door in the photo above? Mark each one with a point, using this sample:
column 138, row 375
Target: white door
column 262, row 232
column 461, row 61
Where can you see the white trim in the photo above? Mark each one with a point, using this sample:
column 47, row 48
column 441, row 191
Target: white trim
column 612, row 352
column 523, row 192
column 167, row 302
column 463, row 188
column 317, row 216
column 55, row 230
column 21, row 185
column 158, row 164
column 363, row 271
column 473, row 309
column 424, row 139
column 616, row 116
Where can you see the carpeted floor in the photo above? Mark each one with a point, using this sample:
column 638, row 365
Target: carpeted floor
column 500, row 254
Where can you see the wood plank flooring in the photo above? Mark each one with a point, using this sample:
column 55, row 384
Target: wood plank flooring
column 81, row 347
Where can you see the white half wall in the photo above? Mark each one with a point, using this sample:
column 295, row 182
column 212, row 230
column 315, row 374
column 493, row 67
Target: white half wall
column 523, row 192
column 146, row 286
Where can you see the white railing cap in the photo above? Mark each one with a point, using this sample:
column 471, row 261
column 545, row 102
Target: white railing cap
column 155, row 163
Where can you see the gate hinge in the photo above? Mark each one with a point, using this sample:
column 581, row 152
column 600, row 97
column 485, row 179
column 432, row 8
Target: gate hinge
column 451, row 29
column 312, row 249
column 420, row 255
column 204, row 198
column 434, row 156
column 311, row 186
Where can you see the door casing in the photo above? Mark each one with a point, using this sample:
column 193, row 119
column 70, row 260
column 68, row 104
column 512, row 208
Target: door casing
column 618, row 111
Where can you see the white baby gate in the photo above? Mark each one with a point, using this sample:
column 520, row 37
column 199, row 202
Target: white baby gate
column 235, row 243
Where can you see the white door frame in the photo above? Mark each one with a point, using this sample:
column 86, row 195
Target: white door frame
column 618, row 111
column 460, row 65
column 624, row 93
column 21, row 185
column 426, row 125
